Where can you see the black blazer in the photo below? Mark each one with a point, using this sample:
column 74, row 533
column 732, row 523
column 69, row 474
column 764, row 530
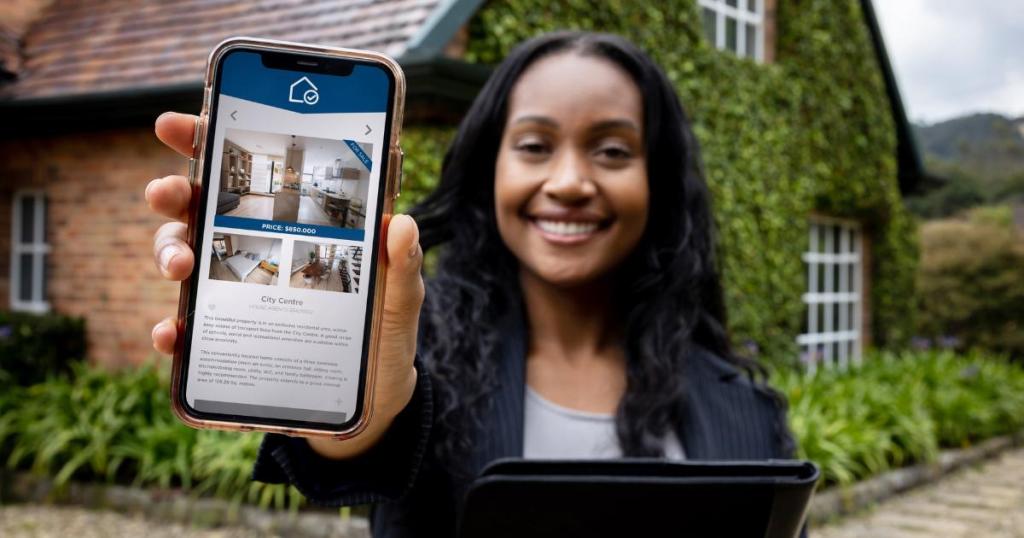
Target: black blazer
column 725, row 416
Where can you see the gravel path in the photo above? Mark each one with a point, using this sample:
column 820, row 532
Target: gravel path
column 987, row 501
column 38, row 521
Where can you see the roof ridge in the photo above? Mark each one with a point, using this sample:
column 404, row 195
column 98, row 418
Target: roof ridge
column 204, row 22
column 97, row 47
column 275, row 27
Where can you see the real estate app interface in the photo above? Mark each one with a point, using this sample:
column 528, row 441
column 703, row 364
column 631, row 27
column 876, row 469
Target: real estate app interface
column 284, row 275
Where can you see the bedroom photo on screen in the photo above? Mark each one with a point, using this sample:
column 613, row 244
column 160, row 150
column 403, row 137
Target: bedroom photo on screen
column 244, row 258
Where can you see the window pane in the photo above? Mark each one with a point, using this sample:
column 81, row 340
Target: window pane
column 709, row 24
column 730, row 34
column 752, row 5
column 25, row 277
column 751, row 41
column 731, row 3
column 833, row 316
column 28, row 219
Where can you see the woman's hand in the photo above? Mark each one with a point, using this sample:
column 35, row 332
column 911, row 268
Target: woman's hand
column 396, row 377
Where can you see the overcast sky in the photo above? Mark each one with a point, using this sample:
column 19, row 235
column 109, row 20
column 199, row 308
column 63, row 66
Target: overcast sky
column 955, row 57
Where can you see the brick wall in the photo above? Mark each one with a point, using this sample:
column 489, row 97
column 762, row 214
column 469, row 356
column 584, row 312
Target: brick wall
column 770, row 30
column 100, row 232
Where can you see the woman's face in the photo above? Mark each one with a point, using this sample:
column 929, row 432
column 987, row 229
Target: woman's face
column 570, row 187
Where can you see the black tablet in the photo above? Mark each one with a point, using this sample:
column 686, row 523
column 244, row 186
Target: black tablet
column 639, row 498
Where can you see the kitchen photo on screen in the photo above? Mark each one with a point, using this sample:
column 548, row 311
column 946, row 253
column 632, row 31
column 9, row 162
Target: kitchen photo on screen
column 289, row 178
column 326, row 266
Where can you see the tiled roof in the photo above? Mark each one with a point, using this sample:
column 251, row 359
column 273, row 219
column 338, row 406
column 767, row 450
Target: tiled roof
column 9, row 59
column 79, row 47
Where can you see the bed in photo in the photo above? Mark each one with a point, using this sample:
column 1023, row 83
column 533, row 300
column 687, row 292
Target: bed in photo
column 244, row 258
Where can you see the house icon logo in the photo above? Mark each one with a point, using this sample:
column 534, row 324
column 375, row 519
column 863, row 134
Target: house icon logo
column 305, row 88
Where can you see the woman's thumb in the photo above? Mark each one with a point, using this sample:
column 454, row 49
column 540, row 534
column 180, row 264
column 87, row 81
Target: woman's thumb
column 404, row 292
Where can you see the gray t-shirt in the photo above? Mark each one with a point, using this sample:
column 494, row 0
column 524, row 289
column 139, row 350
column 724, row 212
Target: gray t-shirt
column 551, row 431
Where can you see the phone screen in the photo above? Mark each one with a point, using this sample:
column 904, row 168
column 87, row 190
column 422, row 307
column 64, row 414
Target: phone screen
column 287, row 239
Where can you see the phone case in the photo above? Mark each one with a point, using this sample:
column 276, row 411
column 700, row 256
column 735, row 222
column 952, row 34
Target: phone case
column 392, row 187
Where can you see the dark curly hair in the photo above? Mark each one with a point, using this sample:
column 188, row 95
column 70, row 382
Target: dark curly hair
column 671, row 293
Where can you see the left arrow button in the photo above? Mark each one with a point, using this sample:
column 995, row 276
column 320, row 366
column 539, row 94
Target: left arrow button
column 233, row 115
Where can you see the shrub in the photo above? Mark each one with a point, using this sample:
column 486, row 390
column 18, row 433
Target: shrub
column 33, row 346
column 118, row 427
column 899, row 409
column 971, row 281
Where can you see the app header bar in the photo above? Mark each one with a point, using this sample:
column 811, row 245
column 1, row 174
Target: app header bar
column 244, row 76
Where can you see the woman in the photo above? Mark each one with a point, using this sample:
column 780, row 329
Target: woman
column 576, row 292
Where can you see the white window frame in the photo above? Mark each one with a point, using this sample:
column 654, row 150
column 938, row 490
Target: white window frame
column 831, row 342
column 743, row 16
column 38, row 248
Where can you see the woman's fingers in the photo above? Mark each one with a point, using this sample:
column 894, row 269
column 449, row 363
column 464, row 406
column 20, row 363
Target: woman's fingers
column 171, row 252
column 170, row 196
column 177, row 131
column 164, row 335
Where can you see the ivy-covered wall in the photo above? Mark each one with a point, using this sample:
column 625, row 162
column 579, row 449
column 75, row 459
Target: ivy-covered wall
column 809, row 133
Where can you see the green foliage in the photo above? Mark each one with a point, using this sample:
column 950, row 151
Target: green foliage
column 971, row 281
column 118, row 427
column 979, row 168
column 959, row 193
column 33, row 346
column 223, row 462
column 998, row 216
column 1011, row 190
column 424, row 148
column 900, row 409
column 810, row 132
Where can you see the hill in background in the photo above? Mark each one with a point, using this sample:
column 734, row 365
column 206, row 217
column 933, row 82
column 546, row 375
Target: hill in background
column 981, row 156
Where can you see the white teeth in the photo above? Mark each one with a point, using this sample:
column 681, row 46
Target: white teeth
column 560, row 227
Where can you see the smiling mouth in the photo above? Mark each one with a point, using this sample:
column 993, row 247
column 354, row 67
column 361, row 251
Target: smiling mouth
column 569, row 231
column 567, row 228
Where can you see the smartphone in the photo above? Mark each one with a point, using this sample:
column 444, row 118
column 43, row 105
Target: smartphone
column 296, row 163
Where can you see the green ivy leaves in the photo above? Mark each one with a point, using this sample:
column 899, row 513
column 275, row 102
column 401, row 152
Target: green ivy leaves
column 811, row 132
